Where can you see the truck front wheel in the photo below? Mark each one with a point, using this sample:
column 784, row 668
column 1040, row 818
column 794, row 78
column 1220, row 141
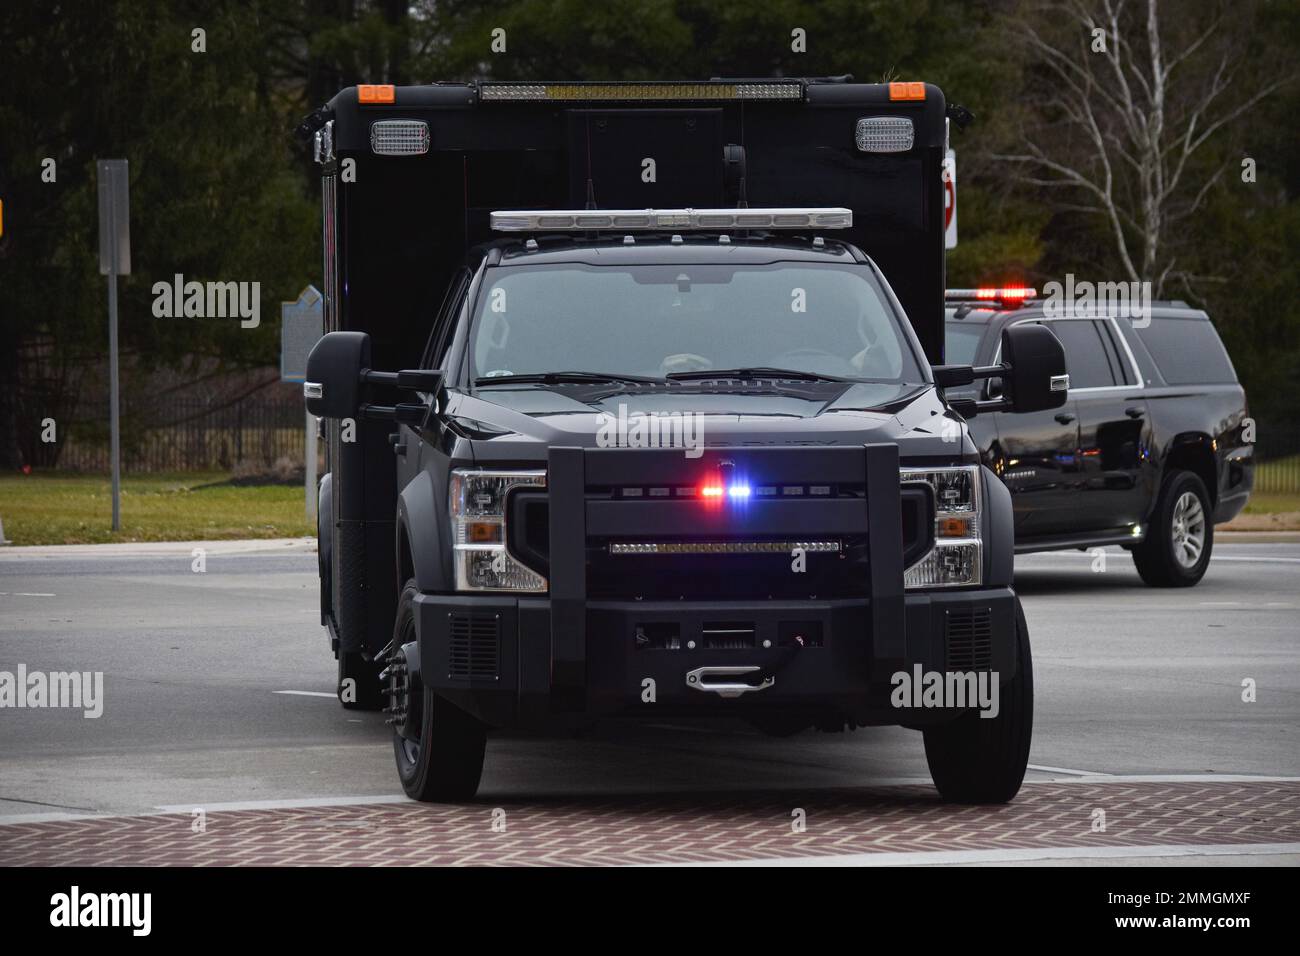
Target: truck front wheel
column 976, row 759
column 440, row 754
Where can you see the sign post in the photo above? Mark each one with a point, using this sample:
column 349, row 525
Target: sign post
column 301, row 324
column 114, row 260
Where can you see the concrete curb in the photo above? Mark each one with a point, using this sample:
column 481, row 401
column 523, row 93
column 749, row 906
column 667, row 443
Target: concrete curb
column 138, row 549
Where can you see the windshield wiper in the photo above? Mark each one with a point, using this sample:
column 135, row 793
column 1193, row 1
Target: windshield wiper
column 756, row 372
column 558, row 378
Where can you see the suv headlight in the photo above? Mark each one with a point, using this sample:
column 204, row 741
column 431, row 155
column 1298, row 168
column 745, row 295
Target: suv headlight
column 956, row 560
column 478, row 524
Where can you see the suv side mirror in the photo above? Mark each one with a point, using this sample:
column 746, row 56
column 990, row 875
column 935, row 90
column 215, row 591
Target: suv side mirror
column 338, row 369
column 1035, row 376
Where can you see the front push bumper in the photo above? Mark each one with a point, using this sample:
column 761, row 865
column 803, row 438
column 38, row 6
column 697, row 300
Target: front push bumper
column 572, row 654
column 494, row 657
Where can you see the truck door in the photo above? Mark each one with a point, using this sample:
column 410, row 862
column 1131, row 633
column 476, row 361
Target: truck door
column 1113, row 427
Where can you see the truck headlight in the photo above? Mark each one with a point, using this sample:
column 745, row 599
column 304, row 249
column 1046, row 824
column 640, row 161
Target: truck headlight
column 956, row 560
column 478, row 524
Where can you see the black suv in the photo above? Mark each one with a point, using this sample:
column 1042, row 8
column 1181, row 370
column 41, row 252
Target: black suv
column 1147, row 453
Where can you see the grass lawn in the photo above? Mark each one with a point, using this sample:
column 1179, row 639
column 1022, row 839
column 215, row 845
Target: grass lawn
column 59, row 508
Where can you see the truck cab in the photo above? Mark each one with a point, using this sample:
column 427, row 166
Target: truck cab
column 611, row 459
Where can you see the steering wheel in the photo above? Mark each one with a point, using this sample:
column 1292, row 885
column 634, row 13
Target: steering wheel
column 791, row 358
column 684, row 362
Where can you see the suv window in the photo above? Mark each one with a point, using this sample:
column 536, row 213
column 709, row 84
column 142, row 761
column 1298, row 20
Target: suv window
column 1123, row 371
column 1187, row 351
column 962, row 341
column 1085, row 353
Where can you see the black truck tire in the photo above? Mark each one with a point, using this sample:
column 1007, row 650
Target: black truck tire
column 974, row 759
column 445, row 764
column 1176, row 550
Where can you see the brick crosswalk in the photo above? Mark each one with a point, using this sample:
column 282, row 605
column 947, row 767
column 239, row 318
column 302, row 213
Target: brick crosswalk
column 672, row 829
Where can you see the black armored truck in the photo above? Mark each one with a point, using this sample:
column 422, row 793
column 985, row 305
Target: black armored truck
column 634, row 404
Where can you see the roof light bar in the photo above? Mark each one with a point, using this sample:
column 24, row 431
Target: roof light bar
column 399, row 137
column 884, row 134
column 563, row 220
column 1016, row 294
column 722, row 547
column 638, row 92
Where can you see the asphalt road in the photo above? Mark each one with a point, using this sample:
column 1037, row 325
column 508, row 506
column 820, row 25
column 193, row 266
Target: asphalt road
column 218, row 686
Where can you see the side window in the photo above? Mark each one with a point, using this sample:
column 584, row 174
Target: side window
column 440, row 337
column 1119, row 364
column 1085, row 353
column 1188, row 351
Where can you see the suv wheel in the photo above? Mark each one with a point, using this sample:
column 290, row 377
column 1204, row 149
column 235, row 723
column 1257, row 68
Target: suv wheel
column 440, row 757
column 976, row 759
column 1177, row 547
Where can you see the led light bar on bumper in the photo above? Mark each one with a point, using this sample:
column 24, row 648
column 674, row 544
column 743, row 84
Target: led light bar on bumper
column 478, row 524
column 956, row 560
column 563, row 220
column 723, row 547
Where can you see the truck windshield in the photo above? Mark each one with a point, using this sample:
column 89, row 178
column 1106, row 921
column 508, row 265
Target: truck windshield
column 655, row 320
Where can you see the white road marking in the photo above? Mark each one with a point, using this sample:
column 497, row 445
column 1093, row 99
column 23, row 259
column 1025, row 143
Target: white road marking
column 948, row 857
column 305, row 693
column 1174, row 778
column 1072, row 773
column 26, row 594
column 290, row 804
column 1234, row 557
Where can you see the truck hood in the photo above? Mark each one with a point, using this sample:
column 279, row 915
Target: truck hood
column 519, row 423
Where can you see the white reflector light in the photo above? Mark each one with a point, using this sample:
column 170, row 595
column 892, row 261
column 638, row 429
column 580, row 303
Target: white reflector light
column 538, row 220
column 884, row 134
column 399, row 137
column 722, row 547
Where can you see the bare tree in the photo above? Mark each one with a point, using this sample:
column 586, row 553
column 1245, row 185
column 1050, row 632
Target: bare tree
column 1126, row 113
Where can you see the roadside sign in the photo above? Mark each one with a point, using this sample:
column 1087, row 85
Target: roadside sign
column 950, row 200
column 114, row 261
column 114, row 217
column 301, row 324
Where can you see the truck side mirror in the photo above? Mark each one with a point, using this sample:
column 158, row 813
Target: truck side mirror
column 1035, row 376
column 332, row 388
column 338, row 369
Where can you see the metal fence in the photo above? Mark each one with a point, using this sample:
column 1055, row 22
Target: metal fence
column 189, row 435
column 1277, row 460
